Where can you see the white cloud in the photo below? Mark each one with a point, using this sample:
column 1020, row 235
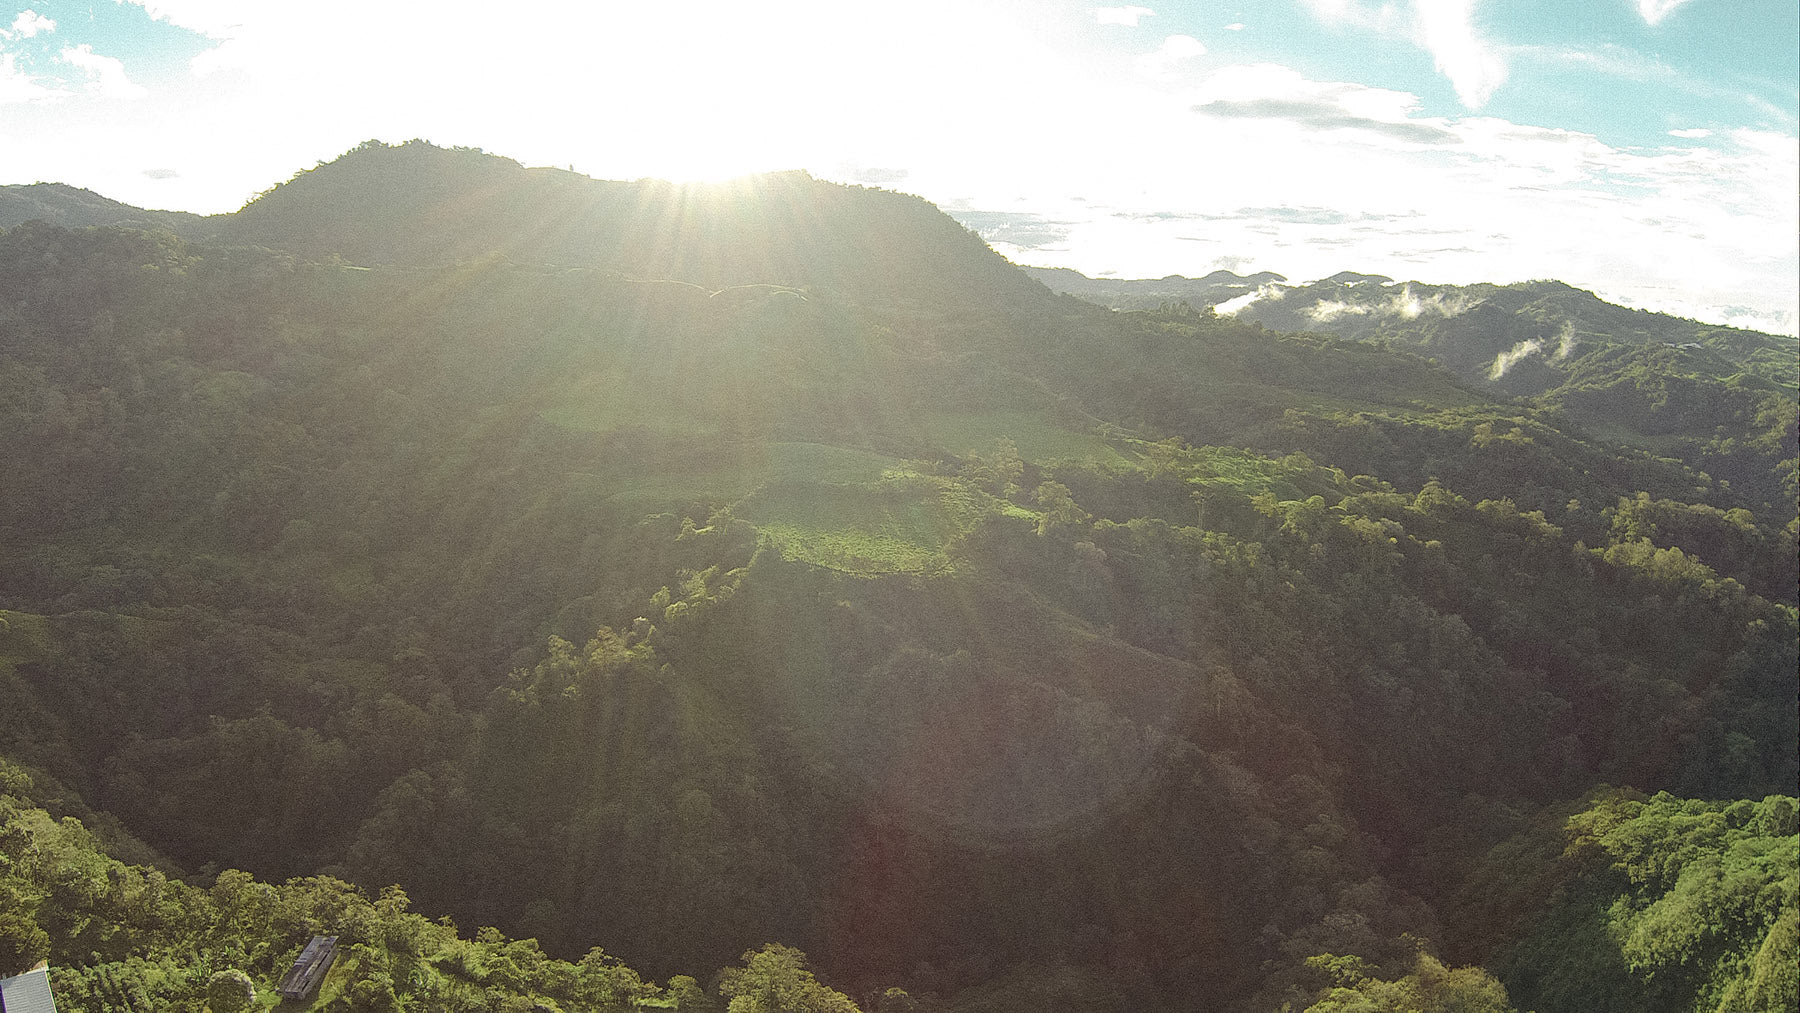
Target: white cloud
column 1327, row 310
column 1654, row 11
column 1368, row 14
column 1122, row 15
column 1704, row 231
column 1236, row 26
column 1444, row 28
column 1280, row 96
column 1471, row 63
column 620, row 90
column 106, row 75
column 1507, row 359
column 1608, row 58
column 1174, row 50
column 28, row 24
column 215, row 19
column 1332, row 10
column 1232, row 307
column 1403, row 304
column 1565, row 342
column 1631, row 65
column 1694, row 134
column 16, row 86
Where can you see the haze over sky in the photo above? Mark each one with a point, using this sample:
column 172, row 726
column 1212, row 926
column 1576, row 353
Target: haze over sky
column 1646, row 149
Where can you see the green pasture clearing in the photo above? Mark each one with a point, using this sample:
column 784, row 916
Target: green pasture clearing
column 1037, row 434
column 830, row 465
column 885, row 528
column 605, row 405
column 1608, row 431
column 655, row 491
column 605, row 402
column 1246, row 471
column 1267, row 401
column 739, row 471
column 852, row 550
column 1249, row 473
column 653, row 487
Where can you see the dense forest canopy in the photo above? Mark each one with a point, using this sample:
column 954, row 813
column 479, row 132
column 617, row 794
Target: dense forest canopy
column 768, row 577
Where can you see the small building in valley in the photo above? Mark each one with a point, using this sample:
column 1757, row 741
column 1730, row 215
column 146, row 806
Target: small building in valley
column 309, row 968
column 28, row 992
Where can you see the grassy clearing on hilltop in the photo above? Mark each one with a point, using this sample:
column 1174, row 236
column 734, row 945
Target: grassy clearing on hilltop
column 1037, row 435
column 892, row 527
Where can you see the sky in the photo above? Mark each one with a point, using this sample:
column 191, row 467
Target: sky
column 1644, row 149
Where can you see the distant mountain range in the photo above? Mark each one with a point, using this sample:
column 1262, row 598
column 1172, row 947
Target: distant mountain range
column 420, row 205
column 416, row 205
column 74, row 208
column 1523, row 332
column 1148, row 294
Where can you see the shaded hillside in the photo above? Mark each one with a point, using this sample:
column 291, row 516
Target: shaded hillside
column 419, row 205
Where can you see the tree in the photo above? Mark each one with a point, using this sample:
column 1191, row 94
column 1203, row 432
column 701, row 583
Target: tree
column 999, row 469
column 22, row 942
column 374, row 994
column 775, row 980
column 689, row 996
column 230, row 992
column 603, row 983
column 1060, row 509
column 1429, row 988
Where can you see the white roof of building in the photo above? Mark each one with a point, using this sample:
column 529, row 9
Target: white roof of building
column 28, row 993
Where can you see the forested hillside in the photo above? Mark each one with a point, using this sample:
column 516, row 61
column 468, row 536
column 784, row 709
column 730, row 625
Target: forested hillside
column 680, row 570
column 1719, row 399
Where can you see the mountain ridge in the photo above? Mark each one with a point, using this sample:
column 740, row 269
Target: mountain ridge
column 1618, row 373
column 417, row 205
column 73, row 207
